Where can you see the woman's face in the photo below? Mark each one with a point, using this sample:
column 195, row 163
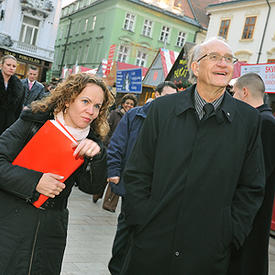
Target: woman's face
column 128, row 104
column 9, row 67
column 85, row 108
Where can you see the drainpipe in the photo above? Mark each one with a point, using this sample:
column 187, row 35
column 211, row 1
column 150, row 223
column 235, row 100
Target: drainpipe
column 65, row 48
column 260, row 50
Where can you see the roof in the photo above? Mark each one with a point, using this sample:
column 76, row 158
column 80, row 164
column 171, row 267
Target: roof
column 160, row 67
column 221, row 2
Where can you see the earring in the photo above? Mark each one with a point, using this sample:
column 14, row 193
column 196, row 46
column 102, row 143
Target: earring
column 65, row 111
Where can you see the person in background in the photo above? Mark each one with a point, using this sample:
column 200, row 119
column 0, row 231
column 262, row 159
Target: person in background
column 128, row 101
column 11, row 93
column 34, row 90
column 252, row 258
column 119, row 150
column 33, row 240
column 195, row 178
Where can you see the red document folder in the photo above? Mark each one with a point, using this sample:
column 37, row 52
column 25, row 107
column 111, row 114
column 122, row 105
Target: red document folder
column 49, row 151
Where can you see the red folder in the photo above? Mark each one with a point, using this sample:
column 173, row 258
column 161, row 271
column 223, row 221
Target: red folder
column 50, row 151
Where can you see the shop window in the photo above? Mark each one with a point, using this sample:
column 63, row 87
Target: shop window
column 29, row 30
column 129, row 22
column 164, row 34
column 147, row 28
column 249, row 27
column 224, row 27
column 141, row 59
column 181, row 39
column 122, row 54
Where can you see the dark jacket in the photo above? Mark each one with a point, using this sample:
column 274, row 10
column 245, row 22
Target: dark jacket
column 252, row 258
column 113, row 120
column 33, row 240
column 37, row 91
column 11, row 101
column 122, row 142
column 192, row 187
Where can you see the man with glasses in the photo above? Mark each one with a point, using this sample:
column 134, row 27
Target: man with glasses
column 195, row 178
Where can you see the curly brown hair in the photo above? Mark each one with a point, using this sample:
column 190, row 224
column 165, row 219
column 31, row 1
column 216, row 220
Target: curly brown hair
column 68, row 90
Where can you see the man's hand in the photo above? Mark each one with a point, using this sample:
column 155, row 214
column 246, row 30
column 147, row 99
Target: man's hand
column 115, row 180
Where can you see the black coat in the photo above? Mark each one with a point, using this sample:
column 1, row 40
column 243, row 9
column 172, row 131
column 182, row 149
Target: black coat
column 192, row 187
column 37, row 91
column 11, row 101
column 252, row 258
column 30, row 238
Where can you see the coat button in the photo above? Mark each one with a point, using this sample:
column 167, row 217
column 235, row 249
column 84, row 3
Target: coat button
column 177, row 253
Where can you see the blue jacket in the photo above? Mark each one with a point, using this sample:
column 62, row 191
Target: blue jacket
column 122, row 142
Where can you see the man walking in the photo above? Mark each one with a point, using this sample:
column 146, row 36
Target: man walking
column 252, row 258
column 34, row 90
column 195, row 178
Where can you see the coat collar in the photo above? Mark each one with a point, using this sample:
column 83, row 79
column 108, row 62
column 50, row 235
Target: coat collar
column 264, row 108
column 226, row 110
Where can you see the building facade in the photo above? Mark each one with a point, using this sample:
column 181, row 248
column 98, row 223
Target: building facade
column 248, row 27
column 28, row 30
column 88, row 28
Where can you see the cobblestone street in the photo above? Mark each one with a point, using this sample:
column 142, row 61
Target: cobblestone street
column 90, row 237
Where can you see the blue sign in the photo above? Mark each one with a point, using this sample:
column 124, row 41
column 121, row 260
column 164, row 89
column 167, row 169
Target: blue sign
column 129, row 81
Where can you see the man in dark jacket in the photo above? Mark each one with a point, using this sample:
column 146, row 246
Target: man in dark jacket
column 195, row 178
column 119, row 150
column 34, row 90
column 252, row 258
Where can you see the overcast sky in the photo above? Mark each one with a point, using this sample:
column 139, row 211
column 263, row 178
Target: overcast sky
column 66, row 2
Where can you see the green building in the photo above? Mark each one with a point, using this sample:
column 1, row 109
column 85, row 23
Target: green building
column 88, row 28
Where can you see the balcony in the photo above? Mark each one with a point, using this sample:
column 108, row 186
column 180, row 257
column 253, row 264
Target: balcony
column 36, row 7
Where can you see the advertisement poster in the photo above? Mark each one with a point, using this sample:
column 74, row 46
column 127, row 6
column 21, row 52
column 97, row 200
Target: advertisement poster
column 129, row 81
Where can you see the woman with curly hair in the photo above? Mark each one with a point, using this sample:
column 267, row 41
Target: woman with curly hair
column 33, row 240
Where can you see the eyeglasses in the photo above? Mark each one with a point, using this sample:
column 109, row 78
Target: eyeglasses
column 216, row 57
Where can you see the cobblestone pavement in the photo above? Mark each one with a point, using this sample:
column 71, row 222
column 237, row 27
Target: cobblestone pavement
column 90, row 236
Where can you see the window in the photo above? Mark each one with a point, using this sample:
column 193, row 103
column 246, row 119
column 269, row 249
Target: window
column 181, row 39
column 129, row 22
column 29, row 30
column 147, row 27
column 249, row 26
column 122, row 53
column 224, row 28
column 86, row 25
column 141, row 59
column 164, row 35
column 93, row 23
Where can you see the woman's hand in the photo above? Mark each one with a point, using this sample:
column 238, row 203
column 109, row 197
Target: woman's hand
column 87, row 147
column 50, row 185
column 115, row 180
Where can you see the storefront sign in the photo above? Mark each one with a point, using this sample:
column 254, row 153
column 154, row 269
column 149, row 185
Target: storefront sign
column 22, row 57
column 129, row 81
column 265, row 70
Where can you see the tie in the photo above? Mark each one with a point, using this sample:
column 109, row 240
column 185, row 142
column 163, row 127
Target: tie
column 30, row 85
column 208, row 110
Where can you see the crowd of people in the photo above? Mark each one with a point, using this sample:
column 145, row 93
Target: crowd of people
column 200, row 158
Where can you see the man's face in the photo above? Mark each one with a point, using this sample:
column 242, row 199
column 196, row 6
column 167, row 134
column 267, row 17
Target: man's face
column 212, row 72
column 32, row 75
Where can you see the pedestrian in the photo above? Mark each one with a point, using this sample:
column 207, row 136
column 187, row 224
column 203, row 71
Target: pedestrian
column 195, row 178
column 33, row 240
column 119, row 150
column 34, row 90
column 11, row 93
column 128, row 101
column 252, row 257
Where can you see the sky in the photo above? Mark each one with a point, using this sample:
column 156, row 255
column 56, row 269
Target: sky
column 66, row 2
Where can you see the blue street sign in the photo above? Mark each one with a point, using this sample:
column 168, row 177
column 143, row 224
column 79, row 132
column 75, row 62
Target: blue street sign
column 129, row 81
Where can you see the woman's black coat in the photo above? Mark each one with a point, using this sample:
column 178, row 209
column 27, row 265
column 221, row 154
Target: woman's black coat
column 32, row 241
column 11, row 101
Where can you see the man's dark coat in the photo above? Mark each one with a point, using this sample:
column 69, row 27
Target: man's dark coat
column 192, row 187
column 252, row 258
column 37, row 91
column 11, row 101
